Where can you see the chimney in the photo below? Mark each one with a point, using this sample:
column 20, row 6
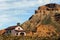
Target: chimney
column 18, row 24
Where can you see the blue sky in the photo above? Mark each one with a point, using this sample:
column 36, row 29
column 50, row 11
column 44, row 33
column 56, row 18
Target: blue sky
column 13, row 11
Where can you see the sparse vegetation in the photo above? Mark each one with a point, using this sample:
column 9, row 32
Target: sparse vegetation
column 46, row 20
column 4, row 37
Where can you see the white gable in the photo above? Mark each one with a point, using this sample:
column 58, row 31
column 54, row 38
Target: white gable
column 18, row 28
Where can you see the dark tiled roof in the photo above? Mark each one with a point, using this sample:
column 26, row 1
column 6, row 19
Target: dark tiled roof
column 11, row 28
column 20, row 30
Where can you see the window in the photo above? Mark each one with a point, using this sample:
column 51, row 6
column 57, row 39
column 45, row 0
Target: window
column 9, row 31
column 18, row 28
column 16, row 33
column 22, row 34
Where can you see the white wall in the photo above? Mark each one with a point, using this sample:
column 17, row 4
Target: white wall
column 17, row 28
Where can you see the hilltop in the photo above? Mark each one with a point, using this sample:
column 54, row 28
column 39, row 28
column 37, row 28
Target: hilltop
column 48, row 15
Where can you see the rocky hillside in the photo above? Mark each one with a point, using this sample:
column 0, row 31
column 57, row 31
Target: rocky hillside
column 46, row 31
column 48, row 14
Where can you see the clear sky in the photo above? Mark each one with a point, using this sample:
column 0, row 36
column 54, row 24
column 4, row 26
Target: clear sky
column 14, row 11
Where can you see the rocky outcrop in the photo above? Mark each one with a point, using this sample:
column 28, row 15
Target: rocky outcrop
column 46, row 11
column 46, row 31
column 47, row 14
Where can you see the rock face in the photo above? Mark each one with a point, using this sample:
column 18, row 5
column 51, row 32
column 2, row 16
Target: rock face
column 46, row 31
column 45, row 15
